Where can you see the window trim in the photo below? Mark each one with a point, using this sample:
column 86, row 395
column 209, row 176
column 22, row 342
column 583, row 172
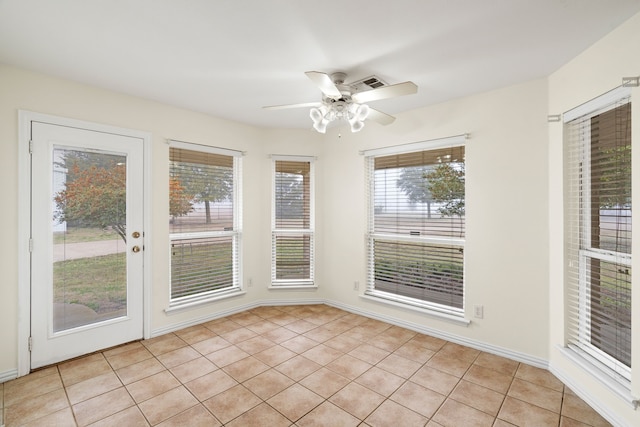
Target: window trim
column 435, row 309
column 182, row 303
column 293, row 283
column 586, row 355
column 412, row 147
column 192, row 146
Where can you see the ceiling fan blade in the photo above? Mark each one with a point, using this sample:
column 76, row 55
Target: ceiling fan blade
column 400, row 89
column 380, row 117
column 324, row 82
column 284, row 107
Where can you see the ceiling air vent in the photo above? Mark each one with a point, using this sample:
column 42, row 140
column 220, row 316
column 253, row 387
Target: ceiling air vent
column 368, row 83
column 373, row 82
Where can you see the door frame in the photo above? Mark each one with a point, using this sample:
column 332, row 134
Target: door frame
column 24, row 222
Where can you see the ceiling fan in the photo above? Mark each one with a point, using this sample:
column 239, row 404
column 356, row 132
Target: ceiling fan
column 348, row 101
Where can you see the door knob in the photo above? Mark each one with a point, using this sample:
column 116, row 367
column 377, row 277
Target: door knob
column 136, row 249
column 135, row 234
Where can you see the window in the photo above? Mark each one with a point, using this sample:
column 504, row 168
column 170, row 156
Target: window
column 416, row 227
column 292, row 237
column 598, row 238
column 204, row 222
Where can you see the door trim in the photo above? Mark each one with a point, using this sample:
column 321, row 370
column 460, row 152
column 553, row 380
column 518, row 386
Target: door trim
column 24, row 222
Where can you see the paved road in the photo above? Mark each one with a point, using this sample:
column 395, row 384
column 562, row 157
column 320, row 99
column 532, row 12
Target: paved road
column 67, row 251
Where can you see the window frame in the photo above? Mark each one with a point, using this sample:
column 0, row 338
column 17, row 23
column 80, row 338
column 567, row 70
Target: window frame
column 578, row 239
column 283, row 232
column 439, row 310
column 236, row 287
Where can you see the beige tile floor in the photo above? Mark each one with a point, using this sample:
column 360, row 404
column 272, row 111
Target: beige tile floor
column 293, row 366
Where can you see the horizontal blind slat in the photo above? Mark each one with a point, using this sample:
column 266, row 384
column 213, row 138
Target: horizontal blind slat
column 201, row 201
column 598, row 224
column 417, row 195
column 292, row 252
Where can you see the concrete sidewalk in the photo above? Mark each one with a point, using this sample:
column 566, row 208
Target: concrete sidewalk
column 67, row 251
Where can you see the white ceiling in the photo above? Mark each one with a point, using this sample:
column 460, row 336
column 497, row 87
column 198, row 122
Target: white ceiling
column 229, row 58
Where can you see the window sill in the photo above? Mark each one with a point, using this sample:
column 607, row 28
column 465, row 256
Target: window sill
column 293, row 286
column 197, row 302
column 390, row 300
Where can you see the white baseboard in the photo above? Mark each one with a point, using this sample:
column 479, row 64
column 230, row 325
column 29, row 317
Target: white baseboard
column 218, row 314
column 588, row 397
column 498, row 351
column 8, row 375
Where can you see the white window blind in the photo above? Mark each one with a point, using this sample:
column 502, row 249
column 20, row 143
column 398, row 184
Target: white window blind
column 292, row 222
column 204, row 222
column 417, row 227
column 598, row 237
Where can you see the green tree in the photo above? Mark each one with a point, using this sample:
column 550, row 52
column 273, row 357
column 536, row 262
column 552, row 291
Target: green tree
column 612, row 168
column 413, row 183
column 207, row 183
column 445, row 182
column 180, row 203
column 76, row 161
column 96, row 197
column 289, row 195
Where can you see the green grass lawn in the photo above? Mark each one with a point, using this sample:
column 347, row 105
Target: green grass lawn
column 200, row 265
column 100, row 283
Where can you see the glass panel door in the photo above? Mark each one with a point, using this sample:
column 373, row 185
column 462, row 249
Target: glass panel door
column 86, row 230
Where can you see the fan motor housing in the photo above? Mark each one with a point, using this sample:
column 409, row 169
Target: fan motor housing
column 338, row 78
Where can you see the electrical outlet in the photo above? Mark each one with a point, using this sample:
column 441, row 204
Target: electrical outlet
column 249, row 282
column 356, row 285
column 478, row 311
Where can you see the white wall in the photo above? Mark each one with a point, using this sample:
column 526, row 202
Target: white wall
column 506, row 270
column 23, row 90
column 596, row 71
column 506, row 245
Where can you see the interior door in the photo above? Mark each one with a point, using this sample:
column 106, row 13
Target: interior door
column 87, row 241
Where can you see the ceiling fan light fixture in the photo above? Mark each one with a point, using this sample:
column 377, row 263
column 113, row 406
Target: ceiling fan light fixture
column 331, row 114
column 362, row 112
column 357, row 115
column 347, row 102
column 353, row 113
column 319, row 118
column 358, row 112
column 316, row 115
column 321, row 126
column 357, row 126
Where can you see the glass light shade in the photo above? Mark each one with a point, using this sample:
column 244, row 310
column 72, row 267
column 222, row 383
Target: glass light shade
column 358, row 113
column 321, row 126
column 355, row 114
column 362, row 112
column 357, row 126
column 316, row 115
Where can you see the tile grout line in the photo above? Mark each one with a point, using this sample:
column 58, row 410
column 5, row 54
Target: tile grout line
column 66, row 393
column 343, row 352
column 504, row 399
